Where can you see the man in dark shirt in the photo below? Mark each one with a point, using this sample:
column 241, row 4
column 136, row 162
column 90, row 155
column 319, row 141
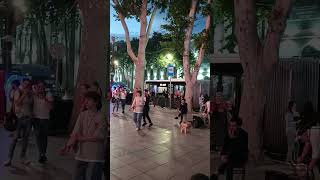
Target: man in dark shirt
column 234, row 152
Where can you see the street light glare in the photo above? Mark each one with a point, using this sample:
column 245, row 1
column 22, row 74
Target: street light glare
column 116, row 62
column 170, row 57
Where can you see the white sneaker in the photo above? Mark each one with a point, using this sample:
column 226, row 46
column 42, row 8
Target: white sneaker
column 137, row 129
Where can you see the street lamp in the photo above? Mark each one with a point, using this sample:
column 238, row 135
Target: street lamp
column 116, row 63
column 169, row 56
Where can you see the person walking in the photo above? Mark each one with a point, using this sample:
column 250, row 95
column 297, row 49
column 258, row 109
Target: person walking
column 23, row 110
column 123, row 98
column 291, row 126
column 146, row 108
column 89, row 136
column 137, row 107
column 42, row 106
column 116, row 97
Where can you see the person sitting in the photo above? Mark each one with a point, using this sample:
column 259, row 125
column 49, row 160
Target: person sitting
column 235, row 148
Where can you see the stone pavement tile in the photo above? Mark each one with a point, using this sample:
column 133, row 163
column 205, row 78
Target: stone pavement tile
column 126, row 172
column 161, row 158
column 144, row 165
column 128, row 159
column 158, row 148
column 142, row 177
column 114, row 177
column 144, row 154
column 115, row 163
column 161, row 173
column 119, row 152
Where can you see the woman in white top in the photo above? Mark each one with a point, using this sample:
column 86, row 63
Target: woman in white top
column 89, row 135
column 137, row 107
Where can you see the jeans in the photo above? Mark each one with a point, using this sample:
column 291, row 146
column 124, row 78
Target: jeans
column 137, row 119
column 123, row 104
column 24, row 125
column 83, row 167
column 116, row 104
column 291, row 135
column 41, row 131
column 146, row 115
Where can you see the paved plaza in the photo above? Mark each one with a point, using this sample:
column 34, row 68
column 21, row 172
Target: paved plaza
column 157, row 153
column 57, row 168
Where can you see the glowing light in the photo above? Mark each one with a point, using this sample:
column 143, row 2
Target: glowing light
column 116, row 63
column 169, row 56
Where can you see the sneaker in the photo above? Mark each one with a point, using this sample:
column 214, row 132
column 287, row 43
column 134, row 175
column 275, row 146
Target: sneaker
column 176, row 118
column 137, row 129
column 150, row 124
column 122, row 112
column 144, row 124
column 7, row 163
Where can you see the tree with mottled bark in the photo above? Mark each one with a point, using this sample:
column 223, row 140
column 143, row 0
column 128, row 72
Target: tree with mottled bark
column 93, row 62
column 140, row 10
column 257, row 57
column 181, row 17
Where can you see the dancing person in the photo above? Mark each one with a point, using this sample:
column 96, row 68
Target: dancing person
column 43, row 102
column 123, row 98
column 89, row 135
column 146, row 108
column 291, row 127
column 137, row 107
column 23, row 110
column 183, row 111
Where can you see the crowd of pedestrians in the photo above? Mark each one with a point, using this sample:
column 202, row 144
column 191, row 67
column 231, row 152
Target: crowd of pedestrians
column 31, row 104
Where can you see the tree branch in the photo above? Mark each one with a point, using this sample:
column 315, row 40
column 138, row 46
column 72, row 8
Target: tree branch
column 187, row 40
column 276, row 27
column 246, row 30
column 133, row 57
column 153, row 14
column 202, row 49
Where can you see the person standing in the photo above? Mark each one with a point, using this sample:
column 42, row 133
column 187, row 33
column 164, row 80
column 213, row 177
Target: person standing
column 291, row 127
column 183, row 111
column 14, row 88
column 42, row 106
column 89, row 136
column 23, row 110
column 123, row 98
column 116, row 97
column 146, row 108
column 137, row 107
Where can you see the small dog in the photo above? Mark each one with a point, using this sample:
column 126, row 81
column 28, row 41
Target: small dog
column 184, row 127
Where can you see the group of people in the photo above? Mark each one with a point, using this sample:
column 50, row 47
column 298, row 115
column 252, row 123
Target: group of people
column 32, row 103
column 298, row 126
column 119, row 95
column 140, row 105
